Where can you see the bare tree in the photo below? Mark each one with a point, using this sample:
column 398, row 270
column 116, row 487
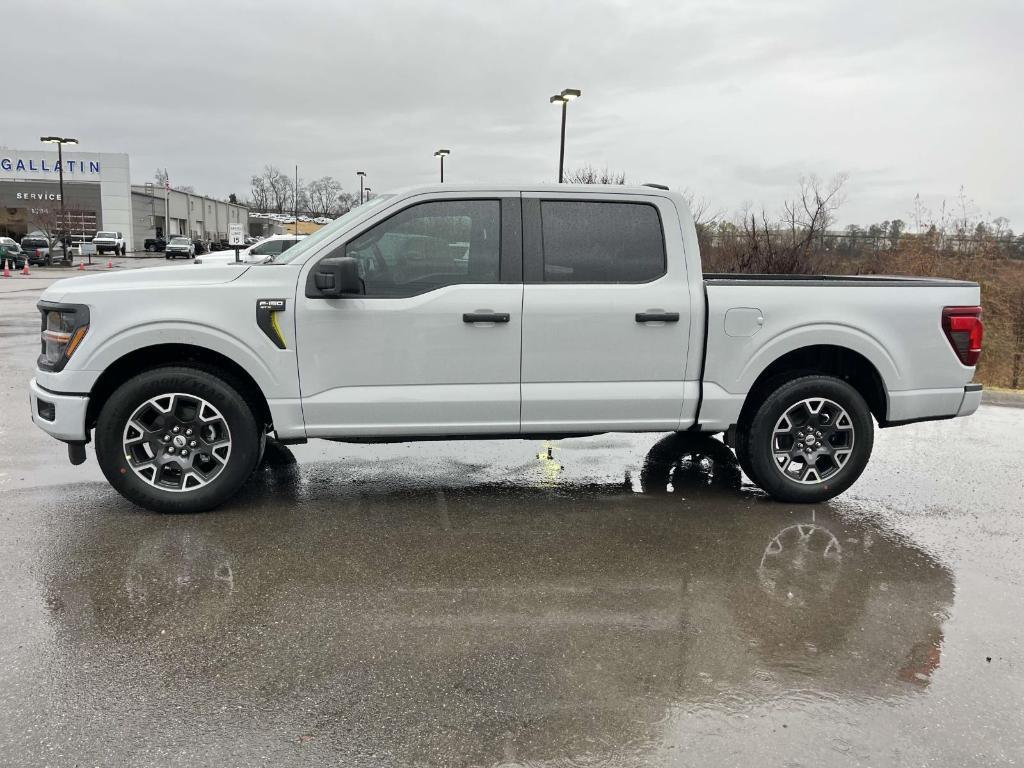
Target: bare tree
column 588, row 174
column 323, row 194
column 272, row 190
column 259, row 194
column 343, row 204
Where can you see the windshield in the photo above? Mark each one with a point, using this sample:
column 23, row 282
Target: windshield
column 180, row 241
column 326, row 232
column 107, row 235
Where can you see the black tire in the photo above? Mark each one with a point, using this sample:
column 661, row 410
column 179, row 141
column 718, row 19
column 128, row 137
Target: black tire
column 151, row 248
column 167, row 256
column 244, row 434
column 758, row 441
column 742, row 450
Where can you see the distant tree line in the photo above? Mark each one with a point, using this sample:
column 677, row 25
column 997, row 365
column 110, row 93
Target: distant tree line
column 274, row 191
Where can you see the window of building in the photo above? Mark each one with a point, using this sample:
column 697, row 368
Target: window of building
column 430, row 245
column 601, row 242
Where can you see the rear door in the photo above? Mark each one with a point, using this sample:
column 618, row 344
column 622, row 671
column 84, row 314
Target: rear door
column 605, row 313
column 433, row 345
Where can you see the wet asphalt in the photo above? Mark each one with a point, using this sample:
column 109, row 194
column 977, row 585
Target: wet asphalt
column 624, row 600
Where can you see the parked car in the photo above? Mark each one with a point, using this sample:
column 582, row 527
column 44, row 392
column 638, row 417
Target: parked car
column 36, row 246
column 110, row 242
column 10, row 242
column 201, row 246
column 573, row 311
column 12, row 254
column 154, row 244
column 180, row 246
column 267, row 249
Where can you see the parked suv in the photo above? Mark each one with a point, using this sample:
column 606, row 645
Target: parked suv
column 110, row 242
column 179, row 246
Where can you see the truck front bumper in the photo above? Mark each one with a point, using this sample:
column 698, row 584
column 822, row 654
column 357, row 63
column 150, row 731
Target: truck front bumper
column 59, row 415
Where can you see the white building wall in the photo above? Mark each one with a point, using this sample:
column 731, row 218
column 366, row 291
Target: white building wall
column 111, row 170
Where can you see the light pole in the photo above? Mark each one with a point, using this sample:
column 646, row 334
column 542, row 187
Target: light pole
column 442, row 153
column 564, row 98
column 60, row 141
column 368, row 191
column 361, row 175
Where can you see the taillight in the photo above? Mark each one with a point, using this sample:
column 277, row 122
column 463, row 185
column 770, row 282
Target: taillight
column 964, row 330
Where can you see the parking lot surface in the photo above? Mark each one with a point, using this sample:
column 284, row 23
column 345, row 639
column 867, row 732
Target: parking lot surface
column 613, row 600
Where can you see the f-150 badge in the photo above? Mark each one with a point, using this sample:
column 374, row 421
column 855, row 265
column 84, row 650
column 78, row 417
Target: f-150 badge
column 266, row 319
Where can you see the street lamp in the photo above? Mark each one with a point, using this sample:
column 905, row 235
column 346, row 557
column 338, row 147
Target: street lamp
column 361, row 175
column 564, row 98
column 60, row 141
column 442, row 153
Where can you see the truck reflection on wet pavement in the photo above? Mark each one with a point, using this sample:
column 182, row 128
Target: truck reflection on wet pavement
column 421, row 618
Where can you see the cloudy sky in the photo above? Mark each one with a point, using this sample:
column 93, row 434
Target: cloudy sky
column 733, row 100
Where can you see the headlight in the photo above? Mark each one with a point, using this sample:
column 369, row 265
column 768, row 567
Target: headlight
column 63, row 328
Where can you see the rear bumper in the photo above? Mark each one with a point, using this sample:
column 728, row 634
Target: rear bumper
column 58, row 415
column 971, row 401
column 917, row 405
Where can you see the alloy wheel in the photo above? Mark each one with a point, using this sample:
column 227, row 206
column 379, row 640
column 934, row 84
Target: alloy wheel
column 177, row 442
column 812, row 440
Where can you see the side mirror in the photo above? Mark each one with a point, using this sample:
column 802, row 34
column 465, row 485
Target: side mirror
column 333, row 278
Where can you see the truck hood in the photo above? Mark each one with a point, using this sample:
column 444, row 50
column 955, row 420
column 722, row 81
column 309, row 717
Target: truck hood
column 149, row 278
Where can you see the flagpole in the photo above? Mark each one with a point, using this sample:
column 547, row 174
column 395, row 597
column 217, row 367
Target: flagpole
column 167, row 209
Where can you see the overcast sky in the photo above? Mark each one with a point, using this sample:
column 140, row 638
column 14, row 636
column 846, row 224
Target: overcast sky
column 732, row 100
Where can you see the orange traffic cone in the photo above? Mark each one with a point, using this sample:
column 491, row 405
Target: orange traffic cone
column 7, row 268
column 24, row 270
column 81, row 266
column 110, row 263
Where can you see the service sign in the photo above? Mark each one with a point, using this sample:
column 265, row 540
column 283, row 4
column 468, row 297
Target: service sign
column 236, row 234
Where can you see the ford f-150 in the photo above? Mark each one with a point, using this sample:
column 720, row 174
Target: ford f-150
column 485, row 312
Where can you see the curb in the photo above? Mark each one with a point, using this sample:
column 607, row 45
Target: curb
column 1008, row 398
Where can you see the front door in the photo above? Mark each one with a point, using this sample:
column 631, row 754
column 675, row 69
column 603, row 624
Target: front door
column 606, row 314
column 433, row 345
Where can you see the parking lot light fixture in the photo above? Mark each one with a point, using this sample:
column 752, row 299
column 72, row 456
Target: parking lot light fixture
column 368, row 191
column 563, row 98
column 60, row 141
column 442, row 153
column 361, row 175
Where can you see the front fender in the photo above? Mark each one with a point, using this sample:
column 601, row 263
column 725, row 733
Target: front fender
column 277, row 381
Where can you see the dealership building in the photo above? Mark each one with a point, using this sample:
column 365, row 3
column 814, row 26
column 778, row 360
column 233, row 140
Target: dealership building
column 99, row 195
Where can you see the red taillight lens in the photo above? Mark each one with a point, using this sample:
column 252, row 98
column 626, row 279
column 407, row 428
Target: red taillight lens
column 964, row 330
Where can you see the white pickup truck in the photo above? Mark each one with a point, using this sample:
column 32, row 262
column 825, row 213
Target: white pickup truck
column 498, row 312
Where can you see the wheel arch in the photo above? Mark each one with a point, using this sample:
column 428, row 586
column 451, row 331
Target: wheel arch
column 823, row 359
column 174, row 354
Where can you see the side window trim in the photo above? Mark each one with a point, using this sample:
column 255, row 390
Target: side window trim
column 533, row 240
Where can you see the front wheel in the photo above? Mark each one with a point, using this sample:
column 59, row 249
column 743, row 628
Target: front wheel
column 809, row 440
column 177, row 439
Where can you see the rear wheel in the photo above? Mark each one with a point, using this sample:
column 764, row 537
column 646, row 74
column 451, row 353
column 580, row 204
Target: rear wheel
column 809, row 440
column 177, row 439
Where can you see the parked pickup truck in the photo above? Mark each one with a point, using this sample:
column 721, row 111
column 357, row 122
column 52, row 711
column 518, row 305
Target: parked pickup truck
column 110, row 242
column 493, row 312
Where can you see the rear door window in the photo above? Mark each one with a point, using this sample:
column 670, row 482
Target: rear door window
column 601, row 242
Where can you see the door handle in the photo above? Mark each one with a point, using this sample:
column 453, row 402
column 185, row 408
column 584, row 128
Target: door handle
column 657, row 317
column 485, row 317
